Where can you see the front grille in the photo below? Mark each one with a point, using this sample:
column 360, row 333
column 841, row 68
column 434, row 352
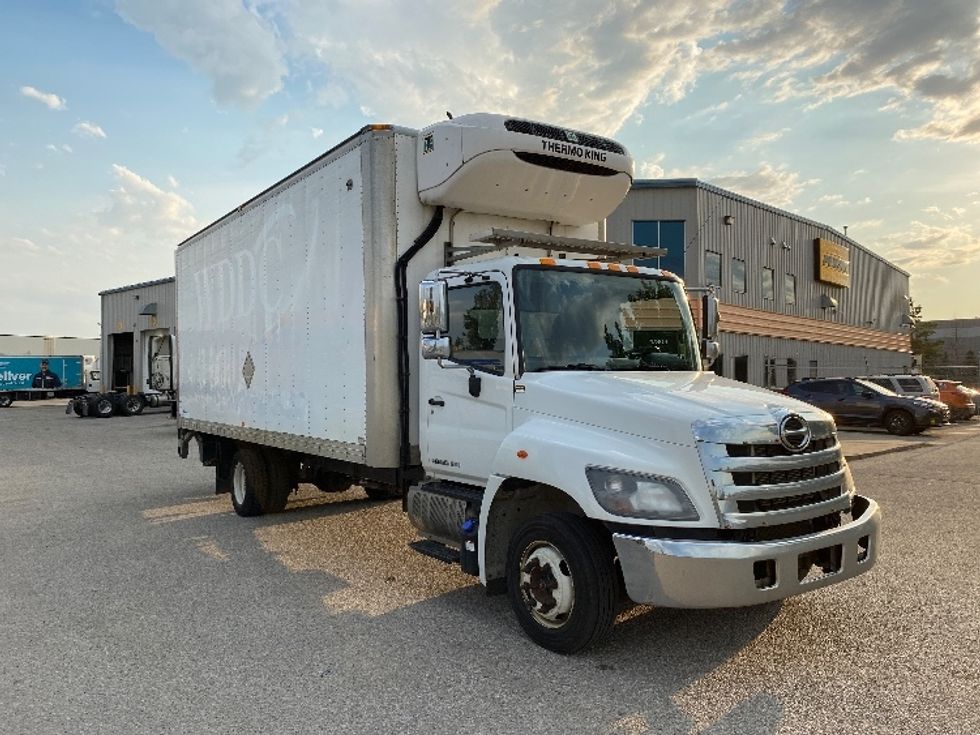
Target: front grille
column 778, row 477
column 568, row 136
column 767, row 505
column 776, row 450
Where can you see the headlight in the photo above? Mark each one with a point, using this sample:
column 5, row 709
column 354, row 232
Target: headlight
column 640, row 496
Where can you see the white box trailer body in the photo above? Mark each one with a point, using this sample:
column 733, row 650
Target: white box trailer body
column 286, row 306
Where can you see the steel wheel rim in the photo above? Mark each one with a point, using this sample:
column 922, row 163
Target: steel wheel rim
column 546, row 584
column 238, row 484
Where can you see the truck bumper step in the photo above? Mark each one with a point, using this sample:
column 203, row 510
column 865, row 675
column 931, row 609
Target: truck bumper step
column 436, row 550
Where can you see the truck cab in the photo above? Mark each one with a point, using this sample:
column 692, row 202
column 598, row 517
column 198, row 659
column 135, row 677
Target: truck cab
column 569, row 428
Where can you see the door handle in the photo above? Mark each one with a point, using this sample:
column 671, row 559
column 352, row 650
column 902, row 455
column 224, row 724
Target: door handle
column 436, row 402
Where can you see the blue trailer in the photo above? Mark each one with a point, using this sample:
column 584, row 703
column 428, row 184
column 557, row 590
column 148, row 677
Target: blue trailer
column 32, row 377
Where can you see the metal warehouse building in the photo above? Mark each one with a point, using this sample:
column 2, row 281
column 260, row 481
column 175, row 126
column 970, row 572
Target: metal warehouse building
column 137, row 322
column 798, row 298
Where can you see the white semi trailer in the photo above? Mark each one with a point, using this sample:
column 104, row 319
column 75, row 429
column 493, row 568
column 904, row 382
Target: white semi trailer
column 434, row 314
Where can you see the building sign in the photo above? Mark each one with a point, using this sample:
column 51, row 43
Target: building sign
column 833, row 262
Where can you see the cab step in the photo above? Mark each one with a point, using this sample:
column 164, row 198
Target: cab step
column 436, row 550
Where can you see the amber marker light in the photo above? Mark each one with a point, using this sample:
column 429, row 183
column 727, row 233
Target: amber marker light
column 632, row 269
column 521, row 454
column 594, row 264
column 614, row 267
column 546, row 261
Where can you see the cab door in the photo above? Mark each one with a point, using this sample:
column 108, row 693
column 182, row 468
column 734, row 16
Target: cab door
column 467, row 402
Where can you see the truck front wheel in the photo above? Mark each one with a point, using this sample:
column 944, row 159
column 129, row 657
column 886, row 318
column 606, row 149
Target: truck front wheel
column 562, row 581
column 249, row 482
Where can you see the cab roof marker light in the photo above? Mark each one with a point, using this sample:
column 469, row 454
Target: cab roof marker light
column 614, row 267
column 632, row 269
column 595, row 265
column 379, row 126
column 547, row 261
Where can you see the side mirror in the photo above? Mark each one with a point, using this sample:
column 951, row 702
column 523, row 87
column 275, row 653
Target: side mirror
column 436, row 348
column 710, row 350
column 709, row 318
column 434, row 307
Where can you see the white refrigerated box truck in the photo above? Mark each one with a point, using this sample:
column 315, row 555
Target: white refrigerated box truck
column 434, row 314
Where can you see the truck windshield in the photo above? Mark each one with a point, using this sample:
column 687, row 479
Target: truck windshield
column 602, row 320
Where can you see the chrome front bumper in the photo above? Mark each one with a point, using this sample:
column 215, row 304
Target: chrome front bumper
column 701, row 574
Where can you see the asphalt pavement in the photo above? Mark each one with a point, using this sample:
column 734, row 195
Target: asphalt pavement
column 132, row 600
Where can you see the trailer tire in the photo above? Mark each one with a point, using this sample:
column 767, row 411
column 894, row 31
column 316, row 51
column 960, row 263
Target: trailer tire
column 282, row 480
column 562, row 581
column 101, row 406
column 249, row 482
column 131, row 405
column 5, row 400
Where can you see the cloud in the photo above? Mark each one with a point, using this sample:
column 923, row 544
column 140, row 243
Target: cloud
column 225, row 40
column 651, row 168
column 64, row 148
column 140, row 211
column 316, row 132
column 259, row 141
column 931, row 247
column 761, row 139
column 49, row 99
column 774, row 185
column 87, row 129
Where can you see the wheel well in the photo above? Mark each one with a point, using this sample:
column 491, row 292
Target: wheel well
column 516, row 502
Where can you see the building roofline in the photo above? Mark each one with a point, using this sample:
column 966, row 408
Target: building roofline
column 159, row 281
column 699, row 184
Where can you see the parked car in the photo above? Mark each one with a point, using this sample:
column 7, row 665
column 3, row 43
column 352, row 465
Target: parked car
column 862, row 403
column 921, row 386
column 960, row 399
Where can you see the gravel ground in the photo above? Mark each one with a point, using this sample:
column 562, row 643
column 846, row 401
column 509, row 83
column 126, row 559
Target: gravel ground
column 133, row 600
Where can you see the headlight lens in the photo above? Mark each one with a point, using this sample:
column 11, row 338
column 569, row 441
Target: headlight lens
column 641, row 496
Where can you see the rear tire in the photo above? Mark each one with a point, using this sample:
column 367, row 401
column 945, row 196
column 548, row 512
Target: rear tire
column 562, row 581
column 249, row 482
column 101, row 406
column 131, row 405
column 899, row 422
column 6, row 400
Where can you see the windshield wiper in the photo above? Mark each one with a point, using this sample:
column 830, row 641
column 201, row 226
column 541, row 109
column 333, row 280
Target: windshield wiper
column 572, row 366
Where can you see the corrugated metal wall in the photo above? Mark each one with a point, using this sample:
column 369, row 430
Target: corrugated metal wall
column 121, row 314
column 766, row 237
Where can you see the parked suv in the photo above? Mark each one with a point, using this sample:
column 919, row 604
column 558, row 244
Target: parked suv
column 861, row 402
column 959, row 398
column 921, row 386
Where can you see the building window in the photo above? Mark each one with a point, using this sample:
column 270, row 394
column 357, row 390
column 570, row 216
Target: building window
column 789, row 289
column 657, row 233
column 712, row 268
column 813, row 368
column 740, row 368
column 768, row 284
column 770, row 372
column 790, row 370
column 738, row 275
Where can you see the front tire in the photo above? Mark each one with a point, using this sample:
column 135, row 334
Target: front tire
column 562, row 581
column 899, row 422
column 249, row 482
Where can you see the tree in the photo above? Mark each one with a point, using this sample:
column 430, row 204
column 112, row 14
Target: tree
column 923, row 342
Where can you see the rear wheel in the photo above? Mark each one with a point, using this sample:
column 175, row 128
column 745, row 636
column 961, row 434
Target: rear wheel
column 899, row 422
column 249, row 482
column 131, row 405
column 101, row 406
column 562, row 581
column 5, row 400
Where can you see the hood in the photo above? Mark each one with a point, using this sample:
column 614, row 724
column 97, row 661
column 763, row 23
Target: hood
column 657, row 405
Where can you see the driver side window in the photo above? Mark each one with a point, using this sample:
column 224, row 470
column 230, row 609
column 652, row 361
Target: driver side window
column 476, row 326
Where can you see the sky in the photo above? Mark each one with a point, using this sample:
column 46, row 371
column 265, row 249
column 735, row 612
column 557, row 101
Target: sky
column 127, row 125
